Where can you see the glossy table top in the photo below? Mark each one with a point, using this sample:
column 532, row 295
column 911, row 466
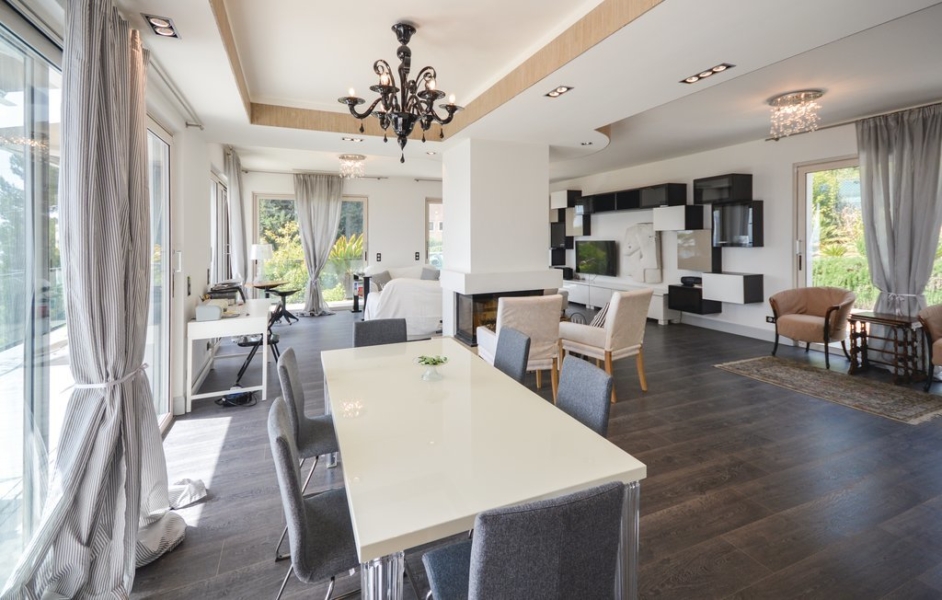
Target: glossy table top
column 421, row 459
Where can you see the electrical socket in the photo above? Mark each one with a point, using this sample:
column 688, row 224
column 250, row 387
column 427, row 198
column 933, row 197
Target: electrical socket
column 417, row 256
column 379, row 257
column 770, row 319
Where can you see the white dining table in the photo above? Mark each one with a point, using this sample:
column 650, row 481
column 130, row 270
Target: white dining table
column 421, row 458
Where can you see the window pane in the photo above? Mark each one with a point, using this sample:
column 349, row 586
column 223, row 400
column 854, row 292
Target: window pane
column 346, row 257
column 156, row 352
column 34, row 365
column 278, row 226
column 435, row 217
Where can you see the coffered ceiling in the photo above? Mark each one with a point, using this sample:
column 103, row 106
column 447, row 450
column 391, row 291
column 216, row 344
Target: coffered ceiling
column 265, row 76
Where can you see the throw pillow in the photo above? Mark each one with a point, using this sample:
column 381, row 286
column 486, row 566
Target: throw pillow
column 599, row 320
column 381, row 279
column 429, row 274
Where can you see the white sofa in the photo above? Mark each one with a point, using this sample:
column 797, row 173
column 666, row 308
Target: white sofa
column 418, row 301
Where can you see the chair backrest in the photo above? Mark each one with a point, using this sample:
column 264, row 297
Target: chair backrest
column 284, row 450
column 379, row 331
column 537, row 317
column 511, row 354
column 931, row 318
column 291, row 390
column 626, row 317
column 555, row 549
column 585, row 393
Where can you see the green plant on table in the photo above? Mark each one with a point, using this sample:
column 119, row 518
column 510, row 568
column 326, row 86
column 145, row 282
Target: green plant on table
column 431, row 361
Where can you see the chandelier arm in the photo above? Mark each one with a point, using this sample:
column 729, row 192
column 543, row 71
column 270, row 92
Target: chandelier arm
column 426, row 73
column 381, row 67
column 440, row 120
column 367, row 112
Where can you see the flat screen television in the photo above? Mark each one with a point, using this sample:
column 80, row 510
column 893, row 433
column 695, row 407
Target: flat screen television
column 596, row 257
column 737, row 224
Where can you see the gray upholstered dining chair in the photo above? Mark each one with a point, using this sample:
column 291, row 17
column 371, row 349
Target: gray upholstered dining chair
column 314, row 436
column 555, row 549
column 584, row 392
column 513, row 348
column 379, row 331
column 320, row 532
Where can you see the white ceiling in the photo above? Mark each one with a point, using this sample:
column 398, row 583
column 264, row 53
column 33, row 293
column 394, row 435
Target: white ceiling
column 307, row 54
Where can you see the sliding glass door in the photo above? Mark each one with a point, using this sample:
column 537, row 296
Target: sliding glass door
column 35, row 380
column 157, row 350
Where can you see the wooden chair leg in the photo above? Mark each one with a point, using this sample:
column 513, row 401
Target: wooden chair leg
column 598, row 362
column 844, row 348
column 608, row 369
column 554, row 378
column 539, row 380
column 639, row 362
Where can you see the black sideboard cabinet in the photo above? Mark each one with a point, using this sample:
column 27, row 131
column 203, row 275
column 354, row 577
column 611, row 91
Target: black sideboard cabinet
column 690, row 299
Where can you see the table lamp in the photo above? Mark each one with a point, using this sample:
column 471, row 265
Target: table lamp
column 261, row 253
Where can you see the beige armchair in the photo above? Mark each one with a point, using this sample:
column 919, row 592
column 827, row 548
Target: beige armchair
column 537, row 317
column 813, row 314
column 621, row 336
column 931, row 319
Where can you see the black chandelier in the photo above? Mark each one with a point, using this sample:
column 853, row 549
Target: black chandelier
column 412, row 105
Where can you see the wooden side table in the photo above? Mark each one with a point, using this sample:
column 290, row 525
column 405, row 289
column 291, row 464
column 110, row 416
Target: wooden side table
column 903, row 336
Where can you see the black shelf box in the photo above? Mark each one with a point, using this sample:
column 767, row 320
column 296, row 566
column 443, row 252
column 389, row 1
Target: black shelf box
column 734, row 187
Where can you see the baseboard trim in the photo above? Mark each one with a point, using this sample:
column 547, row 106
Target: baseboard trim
column 727, row 327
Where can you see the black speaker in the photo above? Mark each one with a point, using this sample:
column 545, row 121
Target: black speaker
column 567, row 272
column 691, row 281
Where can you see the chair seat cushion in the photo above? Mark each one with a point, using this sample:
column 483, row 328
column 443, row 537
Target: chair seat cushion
column 805, row 328
column 317, row 436
column 449, row 571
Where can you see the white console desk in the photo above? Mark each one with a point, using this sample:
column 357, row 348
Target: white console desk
column 252, row 321
column 594, row 294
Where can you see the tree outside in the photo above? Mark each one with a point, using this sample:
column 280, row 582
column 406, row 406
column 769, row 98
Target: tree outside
column 837, row 248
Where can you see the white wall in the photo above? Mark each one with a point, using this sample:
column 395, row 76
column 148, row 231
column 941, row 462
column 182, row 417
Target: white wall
column 395, row 212
column 772, row 165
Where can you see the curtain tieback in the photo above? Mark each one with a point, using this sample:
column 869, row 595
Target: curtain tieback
column 897, row 300
column 108, row 384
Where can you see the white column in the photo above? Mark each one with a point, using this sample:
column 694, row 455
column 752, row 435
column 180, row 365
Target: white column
column 495, row 200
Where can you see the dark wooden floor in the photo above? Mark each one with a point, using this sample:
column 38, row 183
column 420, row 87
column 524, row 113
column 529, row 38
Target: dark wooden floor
column 753, row 491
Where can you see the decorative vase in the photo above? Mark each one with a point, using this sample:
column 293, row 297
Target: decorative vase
column 431, row 373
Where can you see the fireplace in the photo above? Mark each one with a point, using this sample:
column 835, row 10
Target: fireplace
column 476, row 310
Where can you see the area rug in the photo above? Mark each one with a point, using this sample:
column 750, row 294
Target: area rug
column 894, row 402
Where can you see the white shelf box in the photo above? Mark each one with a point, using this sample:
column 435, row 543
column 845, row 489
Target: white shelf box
column 735, row 288
column 683, row 217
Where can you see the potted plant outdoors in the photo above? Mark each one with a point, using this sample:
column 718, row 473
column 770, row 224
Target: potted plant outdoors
column 345, row 257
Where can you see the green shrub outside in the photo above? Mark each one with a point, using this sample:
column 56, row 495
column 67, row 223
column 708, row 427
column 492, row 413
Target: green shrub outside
column 852, row 273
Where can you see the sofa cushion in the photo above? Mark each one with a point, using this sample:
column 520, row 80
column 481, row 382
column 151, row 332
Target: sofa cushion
column 381, row 279
column 430, row 274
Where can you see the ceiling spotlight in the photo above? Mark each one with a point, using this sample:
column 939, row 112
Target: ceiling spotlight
column 586, row 143
column 706, row 73
column 430, row 153
column 558, row 91
column 162, row 26
column 352, row 139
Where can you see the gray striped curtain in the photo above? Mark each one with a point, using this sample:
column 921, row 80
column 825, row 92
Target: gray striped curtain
column 109, row 477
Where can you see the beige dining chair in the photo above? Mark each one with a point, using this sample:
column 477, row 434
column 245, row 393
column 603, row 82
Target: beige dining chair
column 537, row 317
column 621, row 336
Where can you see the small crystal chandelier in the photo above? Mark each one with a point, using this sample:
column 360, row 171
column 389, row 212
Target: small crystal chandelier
column 794, row 112
column 351, row 166
column 413, row 105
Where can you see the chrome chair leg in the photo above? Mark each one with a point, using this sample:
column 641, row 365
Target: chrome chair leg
column 284, row 582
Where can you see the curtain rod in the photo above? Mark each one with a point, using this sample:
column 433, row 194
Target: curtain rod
column 244, row 170
column 850, row 121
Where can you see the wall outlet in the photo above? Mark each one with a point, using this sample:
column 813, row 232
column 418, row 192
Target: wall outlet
column 207, row 277
column 417, row 256
column 379, row 257
column 770, row 319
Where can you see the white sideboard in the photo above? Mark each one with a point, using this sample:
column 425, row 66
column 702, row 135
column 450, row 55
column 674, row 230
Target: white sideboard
column 594, row 294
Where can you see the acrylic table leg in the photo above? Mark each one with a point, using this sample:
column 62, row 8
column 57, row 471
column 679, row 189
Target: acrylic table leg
column 332, row 457
column 381, row 578
column 626, row 575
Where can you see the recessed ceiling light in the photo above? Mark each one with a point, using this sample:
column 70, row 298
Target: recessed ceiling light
column 558, row 91
column 431, row 153
column 352, row 139
column 162, row 26
column 586, row 143
column 707, row 73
